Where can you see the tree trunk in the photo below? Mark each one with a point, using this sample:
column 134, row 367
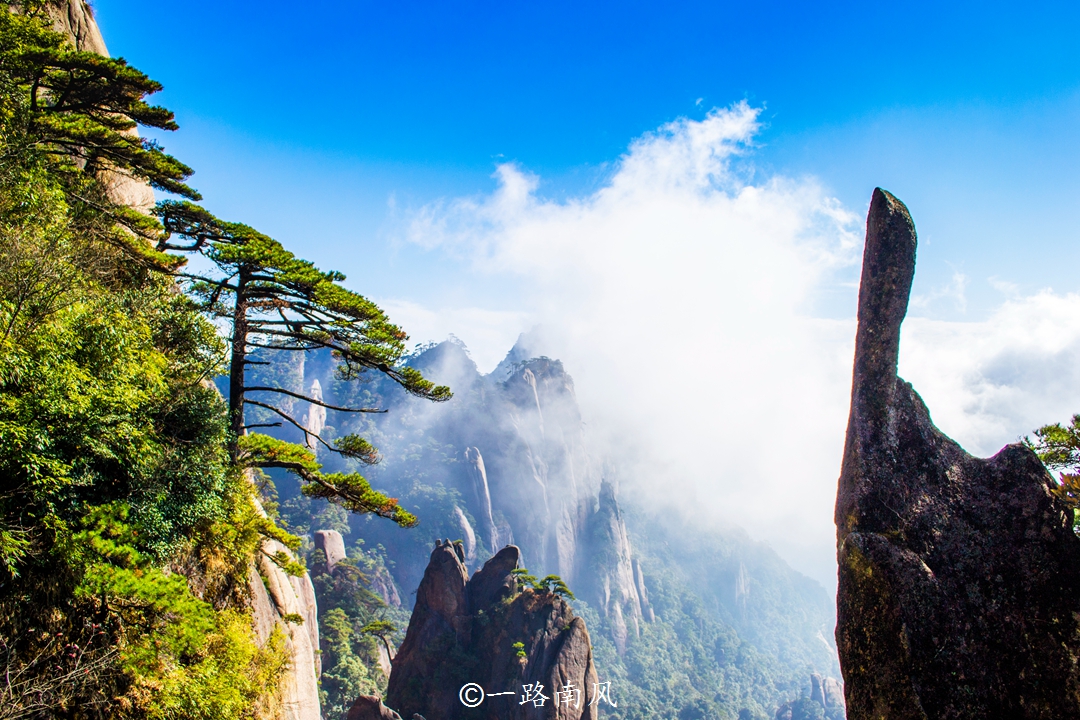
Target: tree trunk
column 237, row 363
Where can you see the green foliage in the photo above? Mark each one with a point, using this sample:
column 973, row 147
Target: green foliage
column 350, row 490
column 433, row 505
column 1058, row 446
column 113, row 445
column 277, row 302
column 519, row 651
column 379, row 628
column 347, row 675
column 175, row 621
column 523, row 577
column 686, row 664
column 552, row 584
column 155, row 650
column 101, row 399
column 230, row 677
column 555, row 585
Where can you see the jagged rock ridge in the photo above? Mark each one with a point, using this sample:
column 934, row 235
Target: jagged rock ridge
column 523, row 472
column 465, row 630
column 958, row 587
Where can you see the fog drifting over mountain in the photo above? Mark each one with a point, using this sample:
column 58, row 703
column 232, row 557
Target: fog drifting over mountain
column 681, row 296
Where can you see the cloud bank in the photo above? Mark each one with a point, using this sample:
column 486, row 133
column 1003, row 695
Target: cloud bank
column 681, row 297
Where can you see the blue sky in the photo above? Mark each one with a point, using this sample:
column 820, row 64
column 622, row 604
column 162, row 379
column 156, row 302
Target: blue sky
column 968, row 111
column 482, row 168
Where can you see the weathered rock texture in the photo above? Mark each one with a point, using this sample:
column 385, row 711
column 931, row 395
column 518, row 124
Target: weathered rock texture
column 610, row 579
column 826, row 702
column 524, row 475
column 315, row 417
column 464, row 631
column 382, row 584
column 826, row 691
column 958, row 585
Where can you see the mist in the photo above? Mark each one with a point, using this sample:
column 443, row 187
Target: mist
column 683, row 296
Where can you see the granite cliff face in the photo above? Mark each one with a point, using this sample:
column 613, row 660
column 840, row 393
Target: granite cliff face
column 485, row 630
column 274, row 594
column 958, row 593
column 607, row 573
column 825, row 702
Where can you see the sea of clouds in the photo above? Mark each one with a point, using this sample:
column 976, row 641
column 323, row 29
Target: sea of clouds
column 681, row 296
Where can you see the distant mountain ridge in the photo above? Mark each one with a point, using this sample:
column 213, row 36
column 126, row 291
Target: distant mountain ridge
column 507, row 460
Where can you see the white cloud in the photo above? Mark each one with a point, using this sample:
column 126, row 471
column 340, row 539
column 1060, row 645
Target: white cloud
column 990, row 383
column 678, row 295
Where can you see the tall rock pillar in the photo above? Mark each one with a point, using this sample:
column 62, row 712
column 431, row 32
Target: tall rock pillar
column 959, row 578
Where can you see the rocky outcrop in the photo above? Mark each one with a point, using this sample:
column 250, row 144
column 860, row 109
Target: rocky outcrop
column 825, row 702
column 382, row 584
column 482, row 496
column 275, row 595
column 332, row 545
column 75, row 19
column 468, row 537
column 958, row 587
column 488, row 632
column 545, row 485
column 826, row 691
column 315, row 418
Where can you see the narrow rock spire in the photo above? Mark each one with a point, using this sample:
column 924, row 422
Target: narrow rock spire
column 959, row 590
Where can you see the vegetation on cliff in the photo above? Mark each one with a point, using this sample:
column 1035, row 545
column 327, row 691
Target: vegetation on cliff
column 128, row 519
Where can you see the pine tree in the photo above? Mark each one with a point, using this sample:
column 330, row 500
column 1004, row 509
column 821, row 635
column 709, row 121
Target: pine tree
column 276, row 301
column 81, row 110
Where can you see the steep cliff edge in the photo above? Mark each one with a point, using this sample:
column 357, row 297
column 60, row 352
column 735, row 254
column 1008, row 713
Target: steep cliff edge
column 609, row 577
column 521, row 472
column 710, row 605
column 487, row 631
column 958, row 593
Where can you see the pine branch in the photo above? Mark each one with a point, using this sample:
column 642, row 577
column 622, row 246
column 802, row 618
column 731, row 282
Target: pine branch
column 313, row 401
column 298, row 425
